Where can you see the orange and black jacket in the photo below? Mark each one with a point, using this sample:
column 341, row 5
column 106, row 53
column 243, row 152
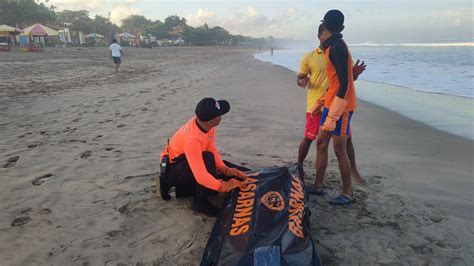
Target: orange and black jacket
column 191, row 141
column 339, row 72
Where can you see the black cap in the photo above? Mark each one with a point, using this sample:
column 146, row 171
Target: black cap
column 334, row 20
column 208, row 109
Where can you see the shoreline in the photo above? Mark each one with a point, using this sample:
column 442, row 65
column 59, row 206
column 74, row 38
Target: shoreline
column 82, row 189
column 442, row 111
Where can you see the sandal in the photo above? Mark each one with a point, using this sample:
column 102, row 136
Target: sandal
column 342, row 199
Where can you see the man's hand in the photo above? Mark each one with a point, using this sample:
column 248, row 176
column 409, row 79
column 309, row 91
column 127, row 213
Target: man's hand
column 227, row 186
column 302, row 80
column 234, row 172
column 335, row 112
column 357, row 69
column 318, row 106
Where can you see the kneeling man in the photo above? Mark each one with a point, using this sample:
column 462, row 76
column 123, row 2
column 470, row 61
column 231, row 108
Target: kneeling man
column 194, row 161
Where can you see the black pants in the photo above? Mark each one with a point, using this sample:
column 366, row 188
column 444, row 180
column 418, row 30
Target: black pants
column 180, row 176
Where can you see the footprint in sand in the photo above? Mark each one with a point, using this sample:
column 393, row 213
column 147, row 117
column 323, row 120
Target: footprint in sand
column 123, row 209
column 11, row 162
column 109, row 148
column 34, row 145
column 259, row 154
column 19, row 221
column 121, row 125
column 97, row 137
column 133, row 244
column 40, row 180
column 27, row 210
column 115, row 233
column 86, row 154
column 45, row 211
column 376, row 179
column 106, row 121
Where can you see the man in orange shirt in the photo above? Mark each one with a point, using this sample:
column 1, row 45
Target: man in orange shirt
column 194, row 160
column 339, row 104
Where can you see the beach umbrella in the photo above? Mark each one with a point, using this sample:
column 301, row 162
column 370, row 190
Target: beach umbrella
column 7, row 28
column 39, row 30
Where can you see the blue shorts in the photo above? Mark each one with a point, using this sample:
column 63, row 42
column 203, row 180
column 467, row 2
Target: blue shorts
column 117, row 60
column 343, row 125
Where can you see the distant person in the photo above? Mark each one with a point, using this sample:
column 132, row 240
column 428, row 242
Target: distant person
column 271, row 51
column 116, row 54
column 312, row 74
column 194, row 160
column 339, row 105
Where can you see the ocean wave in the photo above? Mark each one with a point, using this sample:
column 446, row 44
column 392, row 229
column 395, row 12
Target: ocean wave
column 450, row 44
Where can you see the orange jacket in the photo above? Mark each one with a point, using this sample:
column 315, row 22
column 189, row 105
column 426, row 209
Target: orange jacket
column 191, row 141
column 339, row 73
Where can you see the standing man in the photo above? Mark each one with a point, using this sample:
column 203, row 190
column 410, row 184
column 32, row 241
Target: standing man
column 339, row 105
column 116, row 54
column 312, row 73
column 194, row 160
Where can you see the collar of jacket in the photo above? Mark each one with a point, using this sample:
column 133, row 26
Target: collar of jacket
column 331, row 40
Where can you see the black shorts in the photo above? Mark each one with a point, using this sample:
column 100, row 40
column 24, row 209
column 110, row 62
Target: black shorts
column 117, row 60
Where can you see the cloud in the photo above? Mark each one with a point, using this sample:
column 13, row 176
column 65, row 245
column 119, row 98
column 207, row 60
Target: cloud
column 91, row 5
column 123, row 11
column 252, row 12
column 202, row 16
column 121, row 8
column 254, row 23
column 291, row 12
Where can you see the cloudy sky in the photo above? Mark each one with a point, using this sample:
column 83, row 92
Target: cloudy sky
column 378, row 21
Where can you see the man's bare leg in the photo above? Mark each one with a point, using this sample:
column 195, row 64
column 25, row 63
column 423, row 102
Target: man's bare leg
column 340, row 149
column 303, row 150
column 354, row 171
column 322, row 142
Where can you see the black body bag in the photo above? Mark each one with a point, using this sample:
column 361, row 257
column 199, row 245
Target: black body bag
column 264, row 223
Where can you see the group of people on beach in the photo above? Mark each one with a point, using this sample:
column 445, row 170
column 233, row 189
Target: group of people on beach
column 191, row 162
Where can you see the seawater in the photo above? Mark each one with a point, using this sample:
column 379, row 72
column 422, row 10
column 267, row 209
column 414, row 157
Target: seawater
column 429, row 82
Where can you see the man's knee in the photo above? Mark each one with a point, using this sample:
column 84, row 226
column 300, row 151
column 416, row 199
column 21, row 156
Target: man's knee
column 322, row 144
column 340, row 149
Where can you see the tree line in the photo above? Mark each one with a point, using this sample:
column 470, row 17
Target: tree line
column 23, row 13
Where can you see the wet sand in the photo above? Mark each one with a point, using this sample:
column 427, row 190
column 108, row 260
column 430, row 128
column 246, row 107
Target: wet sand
column 80, row 145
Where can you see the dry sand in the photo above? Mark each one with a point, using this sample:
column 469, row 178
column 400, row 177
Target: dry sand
column 80, row 145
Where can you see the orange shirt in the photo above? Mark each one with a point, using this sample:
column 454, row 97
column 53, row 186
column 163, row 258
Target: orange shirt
column 334, row 83
column 191, row 141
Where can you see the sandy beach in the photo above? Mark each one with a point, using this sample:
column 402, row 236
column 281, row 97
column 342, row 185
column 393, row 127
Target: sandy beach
column 80, row 147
